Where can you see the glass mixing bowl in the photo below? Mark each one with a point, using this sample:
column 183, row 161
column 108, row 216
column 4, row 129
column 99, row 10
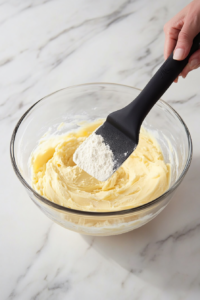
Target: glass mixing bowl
column 90, row 102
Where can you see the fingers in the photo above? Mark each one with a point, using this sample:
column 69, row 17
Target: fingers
column 172, row 29
column 194, row 63
column 179, row 34
column 171, row 36
column 185, row 38
column 184, row 43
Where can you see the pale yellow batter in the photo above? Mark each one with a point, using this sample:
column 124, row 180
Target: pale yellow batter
column 143, row 177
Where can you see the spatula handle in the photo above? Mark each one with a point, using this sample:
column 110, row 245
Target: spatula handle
column 161, row 81
column 130, row 118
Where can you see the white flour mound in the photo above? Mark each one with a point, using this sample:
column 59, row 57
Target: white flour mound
column 95, row 157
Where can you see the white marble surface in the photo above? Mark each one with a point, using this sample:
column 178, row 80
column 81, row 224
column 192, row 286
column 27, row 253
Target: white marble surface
column 48, row 45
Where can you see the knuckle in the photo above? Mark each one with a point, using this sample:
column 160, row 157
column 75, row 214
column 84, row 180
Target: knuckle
column 173, row 33
column 184, row 36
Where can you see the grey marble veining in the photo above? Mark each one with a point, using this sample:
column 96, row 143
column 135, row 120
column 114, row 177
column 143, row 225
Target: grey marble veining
column 48, row 45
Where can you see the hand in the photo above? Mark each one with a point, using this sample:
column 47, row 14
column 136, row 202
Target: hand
column 179, row 34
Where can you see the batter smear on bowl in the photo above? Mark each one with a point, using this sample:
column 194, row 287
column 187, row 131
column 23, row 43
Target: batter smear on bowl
column 142, row 178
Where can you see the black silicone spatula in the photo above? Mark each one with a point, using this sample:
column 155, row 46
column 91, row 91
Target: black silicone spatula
column 121, row 128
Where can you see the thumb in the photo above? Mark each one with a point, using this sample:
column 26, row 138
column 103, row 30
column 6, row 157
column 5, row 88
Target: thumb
column 185, row 39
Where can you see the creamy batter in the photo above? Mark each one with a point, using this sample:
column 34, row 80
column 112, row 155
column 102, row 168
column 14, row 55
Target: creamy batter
column 143, row 177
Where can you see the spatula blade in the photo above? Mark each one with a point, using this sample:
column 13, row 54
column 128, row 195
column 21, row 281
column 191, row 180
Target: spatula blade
column 120, row 145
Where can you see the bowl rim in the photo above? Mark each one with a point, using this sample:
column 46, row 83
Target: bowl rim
column 93, row 213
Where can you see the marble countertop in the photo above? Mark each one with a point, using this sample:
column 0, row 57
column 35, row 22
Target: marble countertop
column 48, row 45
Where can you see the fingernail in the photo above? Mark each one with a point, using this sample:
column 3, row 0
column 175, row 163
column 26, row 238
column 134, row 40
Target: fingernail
column 194, row 63
column 178, row 54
